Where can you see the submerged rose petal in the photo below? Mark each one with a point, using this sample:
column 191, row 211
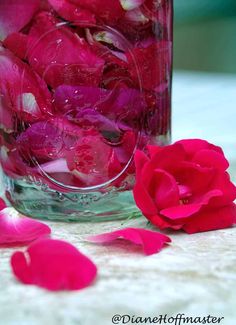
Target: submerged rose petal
column 111, row 130
column 151, row 241
column 15, row 14
column 16, row 228
column 125, row 106
column 111, row 38
column 54, row 265
column 73, row 13
column 131, row 4
column 17, row 44
column 142, row 68
column 136, row 17
column 109, row 11
column 93, row 161
column 22, row 90
column 49, row 139
column 60, row 56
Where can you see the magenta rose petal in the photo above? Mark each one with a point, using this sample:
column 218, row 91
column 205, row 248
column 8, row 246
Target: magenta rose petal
column 92, row 161
column 165, row 189
column 60, row 56
column 2, row 204
column 213, row 219
column 140, row 160
column 17, row 44
column 54, row 265
column 18, row 229
column 28, row 96
column 142, row 68
column 49, row 139
column 124, row 106
column 131, row 4
column 151, row 241
column 73, row 13
column 192, row 146
column 210, row 158
column 109, row 11
column 15, row 14
column 143, row 200
column 182, row 183
column 186, row 210
column 222, row 181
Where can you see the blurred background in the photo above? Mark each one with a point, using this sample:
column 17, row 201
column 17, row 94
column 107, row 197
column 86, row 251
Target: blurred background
column 204, row 92
column 205, row 35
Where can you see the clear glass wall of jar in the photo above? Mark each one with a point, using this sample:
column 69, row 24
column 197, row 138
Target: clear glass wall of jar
column 81, row 88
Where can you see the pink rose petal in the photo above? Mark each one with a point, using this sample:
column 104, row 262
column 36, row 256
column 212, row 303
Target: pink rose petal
column 73, row 13
column 164, row 189
column 183, row 185
column 192, row 146
column 151, row 241
column 2, row 204
column 18, row 229
column 210, row 158
column 107, row 10
column 54, row 265
column 60, row 56
column 143, row 70
column 15, row 14
column 185, row 210
column 17, row 44
column 143, row 200
column 22, row 90
column 212, row 219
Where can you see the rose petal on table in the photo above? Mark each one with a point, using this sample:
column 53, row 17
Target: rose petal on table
column 54, row 265
column 212, row 219
column 18, row 229
column 151, row 241
column 15, row 14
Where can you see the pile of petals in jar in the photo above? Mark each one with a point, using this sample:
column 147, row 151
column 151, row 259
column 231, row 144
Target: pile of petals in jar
column 82, row 85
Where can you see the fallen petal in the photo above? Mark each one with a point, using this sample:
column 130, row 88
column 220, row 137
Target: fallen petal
column 151, row 241
column 54, row 265
column 18, row 229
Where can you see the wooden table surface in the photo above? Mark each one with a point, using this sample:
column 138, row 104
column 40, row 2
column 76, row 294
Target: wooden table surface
column 196, row 276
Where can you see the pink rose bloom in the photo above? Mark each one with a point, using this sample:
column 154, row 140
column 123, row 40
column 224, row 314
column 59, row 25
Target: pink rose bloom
column 185, row 186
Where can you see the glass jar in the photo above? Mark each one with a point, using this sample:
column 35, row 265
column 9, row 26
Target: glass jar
column 83, row 85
